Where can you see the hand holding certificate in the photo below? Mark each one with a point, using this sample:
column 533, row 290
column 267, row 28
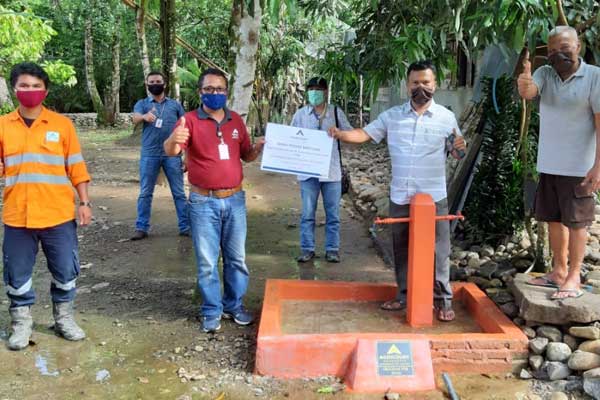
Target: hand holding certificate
column 297, row 151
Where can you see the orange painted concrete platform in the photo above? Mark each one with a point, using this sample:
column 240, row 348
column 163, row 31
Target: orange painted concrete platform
column 493, row 349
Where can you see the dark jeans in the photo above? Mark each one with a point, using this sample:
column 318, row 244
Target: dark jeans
column 20, row 249
column 442, row 292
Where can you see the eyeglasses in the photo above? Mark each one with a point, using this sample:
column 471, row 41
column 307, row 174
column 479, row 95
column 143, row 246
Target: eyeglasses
column 212, row 90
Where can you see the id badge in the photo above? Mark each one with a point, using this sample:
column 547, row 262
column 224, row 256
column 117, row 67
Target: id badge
column 223, row 151
column 158, row 123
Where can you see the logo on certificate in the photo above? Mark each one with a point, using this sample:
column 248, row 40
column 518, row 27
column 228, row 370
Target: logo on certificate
column 300, row 133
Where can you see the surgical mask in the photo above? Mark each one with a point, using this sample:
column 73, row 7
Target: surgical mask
column 156, row 89
column 561, row 62
column 31, row 98
column 421, row 95
column 214, row 101
column 316, row 97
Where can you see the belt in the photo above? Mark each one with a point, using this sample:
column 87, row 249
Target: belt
column 220, row 194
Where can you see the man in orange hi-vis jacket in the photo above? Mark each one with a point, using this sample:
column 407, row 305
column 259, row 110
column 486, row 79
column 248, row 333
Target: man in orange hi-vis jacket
column 41, row 161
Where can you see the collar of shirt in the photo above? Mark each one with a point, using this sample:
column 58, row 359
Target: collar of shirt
column 151, row 99
column 15, row 115
column 204, row 115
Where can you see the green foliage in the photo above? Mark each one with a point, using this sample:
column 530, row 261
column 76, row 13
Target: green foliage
column 495, row 206
column 5, row 109
column 23, row 37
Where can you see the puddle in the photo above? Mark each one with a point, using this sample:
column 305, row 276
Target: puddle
column 41, row 363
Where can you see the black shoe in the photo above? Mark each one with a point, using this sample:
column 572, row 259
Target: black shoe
column 306, row 256
column 332, row 256
column 185, row 233
column 139, row 235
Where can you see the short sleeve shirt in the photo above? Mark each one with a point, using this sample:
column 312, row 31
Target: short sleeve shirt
column 206, row 168
column 307, row 117
column 417, row 147
column 153, row 135
column 567, row 143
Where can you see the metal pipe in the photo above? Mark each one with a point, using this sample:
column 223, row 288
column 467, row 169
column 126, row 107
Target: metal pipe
column 448, row 382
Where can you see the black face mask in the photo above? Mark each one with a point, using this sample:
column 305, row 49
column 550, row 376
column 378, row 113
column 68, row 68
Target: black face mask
column 156, row 89
column 562, row 62
column 421, row 95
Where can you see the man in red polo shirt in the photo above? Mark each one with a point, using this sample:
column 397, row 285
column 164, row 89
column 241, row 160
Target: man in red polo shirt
column 216, row 140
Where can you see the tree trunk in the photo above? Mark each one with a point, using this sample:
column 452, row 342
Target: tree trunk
column 112, row 100
column 5, row 99
column 140, row 31
column 168, row 44
column 245, row 34
column 89, row 71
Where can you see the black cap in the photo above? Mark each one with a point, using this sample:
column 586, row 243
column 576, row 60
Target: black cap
column 317, row 82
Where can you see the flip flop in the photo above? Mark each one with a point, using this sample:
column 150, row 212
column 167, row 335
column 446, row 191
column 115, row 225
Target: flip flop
column 393, row 305
column 577, row 294
column 548, row 283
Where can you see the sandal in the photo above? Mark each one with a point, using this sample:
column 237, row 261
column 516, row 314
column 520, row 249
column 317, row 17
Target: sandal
column 545, row 282
column 445, row 314
column 393, row 305
column 572, row 294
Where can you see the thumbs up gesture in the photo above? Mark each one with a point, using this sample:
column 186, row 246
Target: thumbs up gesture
column 181, row 133
column 149, row 116
column 525, row 84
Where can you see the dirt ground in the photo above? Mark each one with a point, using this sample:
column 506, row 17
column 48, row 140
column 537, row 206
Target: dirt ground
column 138, row 304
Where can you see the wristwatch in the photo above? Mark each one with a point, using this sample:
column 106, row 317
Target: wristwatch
column 85, row 203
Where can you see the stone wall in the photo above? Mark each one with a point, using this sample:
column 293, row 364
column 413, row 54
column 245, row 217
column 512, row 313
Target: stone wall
column 88, row 120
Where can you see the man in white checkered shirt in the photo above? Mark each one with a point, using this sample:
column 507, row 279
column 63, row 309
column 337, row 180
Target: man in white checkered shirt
column 417, row 134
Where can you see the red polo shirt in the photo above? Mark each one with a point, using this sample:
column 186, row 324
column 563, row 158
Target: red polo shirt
column 206, row 169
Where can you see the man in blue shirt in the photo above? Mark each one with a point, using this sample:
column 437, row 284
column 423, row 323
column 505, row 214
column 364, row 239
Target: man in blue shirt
column 159, row 115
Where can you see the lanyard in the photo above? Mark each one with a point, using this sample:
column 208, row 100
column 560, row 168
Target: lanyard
column 321, row 117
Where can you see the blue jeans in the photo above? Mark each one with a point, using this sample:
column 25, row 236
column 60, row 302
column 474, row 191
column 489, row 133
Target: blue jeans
column 220, row 225
column 149, row 169
column 20, row 249
column 332, row 193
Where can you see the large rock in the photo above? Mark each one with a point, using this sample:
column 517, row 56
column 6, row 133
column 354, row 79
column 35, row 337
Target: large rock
column 529, row 332
column 559, row 396
column 556, row 351
column 538, row 345
column 556, row 370
column 591, row 346
column 586, row 332
column 583, row 361
column 553, row 334
column 535, row 304
column 591, row 383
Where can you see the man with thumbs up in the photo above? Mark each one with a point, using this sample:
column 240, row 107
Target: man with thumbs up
column 159, row 114
column 216, row 141
column 568, row 154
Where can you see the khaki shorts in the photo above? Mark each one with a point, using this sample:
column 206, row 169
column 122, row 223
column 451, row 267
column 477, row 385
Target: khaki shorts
column 563, row 199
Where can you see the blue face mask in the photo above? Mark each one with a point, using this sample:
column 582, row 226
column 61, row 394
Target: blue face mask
column 214, row 101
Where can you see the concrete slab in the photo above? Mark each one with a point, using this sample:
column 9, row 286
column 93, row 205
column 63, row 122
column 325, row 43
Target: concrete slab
column 495, row 345
column 535, row 304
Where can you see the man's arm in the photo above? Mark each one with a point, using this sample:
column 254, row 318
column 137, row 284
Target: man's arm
column 84, row 211
column 593, row 176
column 357, row 135
column 139, row 117
column 255, row 150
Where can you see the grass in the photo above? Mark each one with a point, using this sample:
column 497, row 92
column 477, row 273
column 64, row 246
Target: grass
column 103, row 136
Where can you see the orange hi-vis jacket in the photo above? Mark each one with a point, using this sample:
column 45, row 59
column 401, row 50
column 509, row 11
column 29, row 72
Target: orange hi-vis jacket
column 41, row 164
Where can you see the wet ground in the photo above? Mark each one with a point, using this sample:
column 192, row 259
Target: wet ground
column 298, row 317
column 138, row 304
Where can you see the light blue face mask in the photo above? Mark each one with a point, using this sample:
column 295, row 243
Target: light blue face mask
column 316, row 97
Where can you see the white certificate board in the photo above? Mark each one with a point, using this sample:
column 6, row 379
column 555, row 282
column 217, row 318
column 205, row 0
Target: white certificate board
column 297, row 151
